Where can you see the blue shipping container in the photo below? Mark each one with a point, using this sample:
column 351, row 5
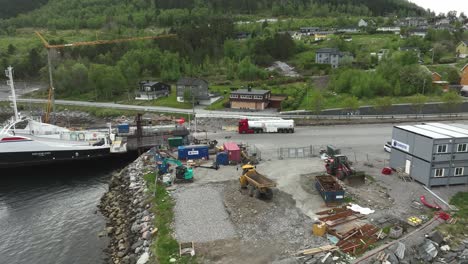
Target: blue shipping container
column 222, row 158
column 329, row 189
column 193, row 152
column 123, row 128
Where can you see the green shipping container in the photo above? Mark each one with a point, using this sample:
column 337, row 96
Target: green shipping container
column 175, row 141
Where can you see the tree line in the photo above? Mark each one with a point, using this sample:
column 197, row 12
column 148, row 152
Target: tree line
column 75, row 14
column 12, row 8
column 398, row 74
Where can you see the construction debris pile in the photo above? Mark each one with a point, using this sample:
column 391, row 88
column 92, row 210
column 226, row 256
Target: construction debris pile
column 433, row 248
column 354, row 240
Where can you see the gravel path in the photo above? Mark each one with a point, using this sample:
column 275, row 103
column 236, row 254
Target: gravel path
column 200, row 215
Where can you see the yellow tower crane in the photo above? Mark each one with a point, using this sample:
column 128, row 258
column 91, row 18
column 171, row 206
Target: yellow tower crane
column 51, row 98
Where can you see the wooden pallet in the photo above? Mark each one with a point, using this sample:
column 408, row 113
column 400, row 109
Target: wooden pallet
column 186, row 248
column 403, row 175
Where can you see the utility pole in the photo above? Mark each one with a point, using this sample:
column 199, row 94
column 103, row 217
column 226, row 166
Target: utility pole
column 9, row 74
column 51, row 84
column 433, row 56
column 193, row 110
column 424, row 86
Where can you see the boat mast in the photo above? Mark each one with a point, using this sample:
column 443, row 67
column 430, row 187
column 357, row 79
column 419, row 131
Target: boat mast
column 9, row 74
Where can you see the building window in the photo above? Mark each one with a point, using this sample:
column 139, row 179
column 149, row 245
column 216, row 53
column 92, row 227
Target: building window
column 234, row 96
column 459, row 171
column 461, row 148
column 439, row 173
column 441, row 148
column 258, row 97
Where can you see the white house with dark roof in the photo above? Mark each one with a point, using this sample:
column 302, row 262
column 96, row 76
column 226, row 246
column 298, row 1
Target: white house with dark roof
column 330, row 56
column 149, row 90
column 362, row 23
column 462, row 49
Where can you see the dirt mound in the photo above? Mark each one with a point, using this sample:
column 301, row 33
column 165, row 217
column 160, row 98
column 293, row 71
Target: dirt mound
column 277, row 221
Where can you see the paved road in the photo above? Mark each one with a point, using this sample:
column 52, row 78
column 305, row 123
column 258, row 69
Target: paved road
column 200, row 112
column 161, row 109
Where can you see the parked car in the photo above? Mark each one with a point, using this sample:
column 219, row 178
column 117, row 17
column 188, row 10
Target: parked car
column 388, row 147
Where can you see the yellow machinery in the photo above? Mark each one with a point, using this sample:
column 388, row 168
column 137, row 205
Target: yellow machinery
column 258, row 184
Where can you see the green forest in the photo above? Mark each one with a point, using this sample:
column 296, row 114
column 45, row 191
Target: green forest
column 206, row 46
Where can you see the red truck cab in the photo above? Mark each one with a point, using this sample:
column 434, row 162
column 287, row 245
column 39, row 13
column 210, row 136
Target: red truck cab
column 244, row 127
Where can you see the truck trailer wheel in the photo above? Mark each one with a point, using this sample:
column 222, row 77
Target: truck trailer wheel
column 251, row 190
column 258, row 194
column 340, row 175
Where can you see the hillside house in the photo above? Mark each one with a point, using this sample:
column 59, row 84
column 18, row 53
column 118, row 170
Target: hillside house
column 362, row 23
column 464, row 76
column 437, row 82
column 348, row 30
column 416, row 50
column 462, row 49
column 395, row 30
column 186, row 86
column 320, row 36
column 308, row 30
column 152, row 90
column 382, row 53
column 242, row 35
column 442, row 22
column 413, row 22
column 250, row 99
column 436, row 77
column 330, row 56
column 417, row 32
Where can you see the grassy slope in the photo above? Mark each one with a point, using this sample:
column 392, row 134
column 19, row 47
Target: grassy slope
column 458, row 230
column 165, row 246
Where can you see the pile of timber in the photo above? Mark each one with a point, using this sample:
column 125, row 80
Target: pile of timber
column 356, row 240
column 339, row 216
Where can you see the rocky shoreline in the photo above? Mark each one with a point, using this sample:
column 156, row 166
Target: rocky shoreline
column 127, row 207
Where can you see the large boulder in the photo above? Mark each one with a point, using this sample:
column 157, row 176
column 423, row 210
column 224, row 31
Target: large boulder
column 428, row 250
column 143, row 258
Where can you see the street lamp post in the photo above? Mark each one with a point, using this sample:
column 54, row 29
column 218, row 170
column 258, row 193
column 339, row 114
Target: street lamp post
column 193, row 111
column 51, row 83
column 432, row 55
column 424, row 86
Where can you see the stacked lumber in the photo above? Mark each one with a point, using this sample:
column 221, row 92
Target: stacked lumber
column 313, row 251
column 357, row 240
column 340, row 216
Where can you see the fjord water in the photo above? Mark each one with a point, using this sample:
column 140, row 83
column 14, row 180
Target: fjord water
column 49, row 214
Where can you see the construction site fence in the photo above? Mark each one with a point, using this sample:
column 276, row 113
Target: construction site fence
column 314, row 151
column 252, row 150
column 297, row 152
column 356, row 115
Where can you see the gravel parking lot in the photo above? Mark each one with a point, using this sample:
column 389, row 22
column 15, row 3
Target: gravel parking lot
column 200, row 215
